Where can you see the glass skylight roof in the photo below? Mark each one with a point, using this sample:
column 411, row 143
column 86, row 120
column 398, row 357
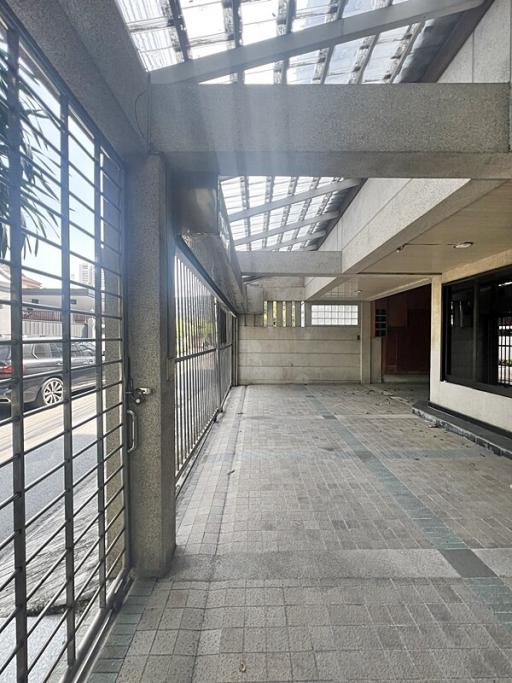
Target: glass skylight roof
column 166, row 32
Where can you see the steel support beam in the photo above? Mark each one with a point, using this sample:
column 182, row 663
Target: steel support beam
column 294, row 198
column 311, row 39
column 285, row 228
column 412, row 130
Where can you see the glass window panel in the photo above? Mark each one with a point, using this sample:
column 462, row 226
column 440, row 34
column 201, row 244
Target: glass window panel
column 259, row 20
column 204, row 20
column 334, row 314
column 461, row 324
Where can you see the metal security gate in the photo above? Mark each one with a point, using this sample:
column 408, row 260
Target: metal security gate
column 204, row 367
column 62, row 464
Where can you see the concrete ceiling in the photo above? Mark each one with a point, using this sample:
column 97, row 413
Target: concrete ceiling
column 486, row 222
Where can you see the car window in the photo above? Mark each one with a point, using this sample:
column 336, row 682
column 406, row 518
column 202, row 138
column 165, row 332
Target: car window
column 56, row 350
column 28, row 350
column 5, row 353
column 42, row 351
column 76, row 351
column 88, row 350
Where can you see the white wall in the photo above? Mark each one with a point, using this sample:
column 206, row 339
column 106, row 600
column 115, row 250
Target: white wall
column 299, row 355
column 480, row 405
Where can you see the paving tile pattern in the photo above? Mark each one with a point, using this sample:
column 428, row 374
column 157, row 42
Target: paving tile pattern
column 326, row 534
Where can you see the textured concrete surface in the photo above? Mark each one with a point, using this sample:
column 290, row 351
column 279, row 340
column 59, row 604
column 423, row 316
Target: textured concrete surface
column 289, row 355
column 262, row 130
column 327, row 534
column 150, row 291
column 288, row 263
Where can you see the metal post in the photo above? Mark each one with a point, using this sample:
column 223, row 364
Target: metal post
column 18, row 469
column 66, row 380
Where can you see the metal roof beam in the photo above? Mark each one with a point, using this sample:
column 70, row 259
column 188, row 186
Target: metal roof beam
column 294, row 198
column 311, row 39
column 285, row 228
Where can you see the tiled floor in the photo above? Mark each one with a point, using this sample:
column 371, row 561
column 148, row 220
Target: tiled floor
column 327, row 534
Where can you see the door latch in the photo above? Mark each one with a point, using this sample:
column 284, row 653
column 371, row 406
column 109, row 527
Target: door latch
column 139, row 394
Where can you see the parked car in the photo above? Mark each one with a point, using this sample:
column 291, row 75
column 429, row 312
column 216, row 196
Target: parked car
column 43, row 356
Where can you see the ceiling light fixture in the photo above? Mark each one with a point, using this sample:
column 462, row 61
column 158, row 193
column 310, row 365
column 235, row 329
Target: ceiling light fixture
column 463, row 245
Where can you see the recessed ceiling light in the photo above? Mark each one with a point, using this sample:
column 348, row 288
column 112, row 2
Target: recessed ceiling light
column 358, row 291
column 463, row 245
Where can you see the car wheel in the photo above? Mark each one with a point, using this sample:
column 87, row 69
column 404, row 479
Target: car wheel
column 51, row 392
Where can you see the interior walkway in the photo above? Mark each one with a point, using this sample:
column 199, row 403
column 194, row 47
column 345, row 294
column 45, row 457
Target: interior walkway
column 327, row 534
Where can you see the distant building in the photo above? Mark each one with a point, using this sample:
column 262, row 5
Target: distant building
column 86, row 274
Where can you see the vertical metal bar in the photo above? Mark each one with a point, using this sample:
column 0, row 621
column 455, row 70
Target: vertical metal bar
column 124, row 373
column 180, row 366
column 18, row 470
column 194, row 359
column 189, row 348
column 100, row 448
column 177, row 365
column 217, row 354
column 66, row 380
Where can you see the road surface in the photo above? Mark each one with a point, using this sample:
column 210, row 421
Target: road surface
column 39, row 428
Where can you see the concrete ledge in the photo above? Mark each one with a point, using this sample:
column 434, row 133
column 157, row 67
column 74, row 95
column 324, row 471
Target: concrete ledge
column 499, row 443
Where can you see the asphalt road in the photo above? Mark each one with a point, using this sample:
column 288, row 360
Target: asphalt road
column 39, row 428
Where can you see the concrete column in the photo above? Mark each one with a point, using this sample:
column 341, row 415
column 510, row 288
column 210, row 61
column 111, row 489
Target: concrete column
column 288, row 308
column 365, row 336
column 298, row 313
column 151, row 335
column 435, row 338
column 307, row 314
column 279, row 314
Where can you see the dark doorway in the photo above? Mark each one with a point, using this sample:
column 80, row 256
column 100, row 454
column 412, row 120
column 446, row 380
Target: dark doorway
column 403, row 323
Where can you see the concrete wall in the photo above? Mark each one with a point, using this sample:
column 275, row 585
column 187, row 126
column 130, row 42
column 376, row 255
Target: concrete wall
column 480, row 405
column 299, row 355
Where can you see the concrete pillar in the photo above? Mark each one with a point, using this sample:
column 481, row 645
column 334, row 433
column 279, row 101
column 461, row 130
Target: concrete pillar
column 288, row 317
column 151, row 335
column 376, row 360
column 298, row 313
column 307, row 314
column 279, row 314
column 436, row 338
column 365, row 336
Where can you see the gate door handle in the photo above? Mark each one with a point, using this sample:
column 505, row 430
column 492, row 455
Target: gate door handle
column 132, row 430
